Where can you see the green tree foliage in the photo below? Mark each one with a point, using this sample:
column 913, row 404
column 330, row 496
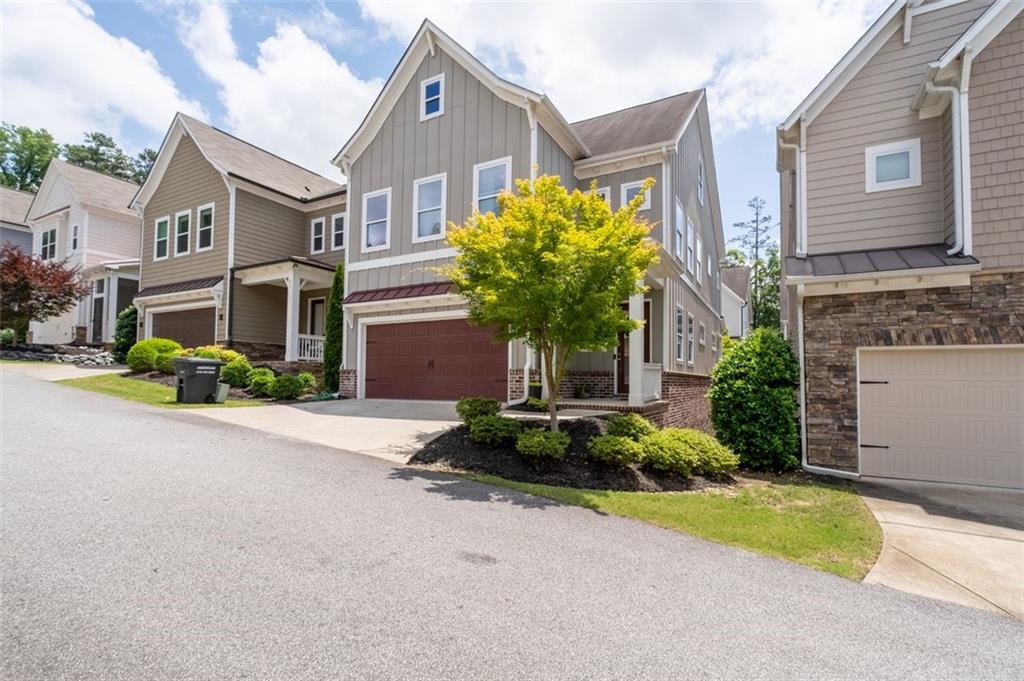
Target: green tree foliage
column 552, row 268
column 766, row 279
column 755, row 236
column 126, row 332
column 334, row 331
column 753, row 401
column 100, row 152
column 24, row 155
column 734, row 257
column 142, row 164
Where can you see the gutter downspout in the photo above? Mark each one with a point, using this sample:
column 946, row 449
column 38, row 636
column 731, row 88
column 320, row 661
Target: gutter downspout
column 958, row 202
column 965, row 153
column 798, row 153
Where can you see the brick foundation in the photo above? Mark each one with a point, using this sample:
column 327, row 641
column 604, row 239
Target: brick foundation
column 347, row 383
column 259, row 352
column 688, row 405
column 597, row 384
column 516, row 387
column 988, row 312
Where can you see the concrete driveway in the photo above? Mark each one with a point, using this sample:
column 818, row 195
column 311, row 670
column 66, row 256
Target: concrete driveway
column 951, row 542
column 55, row 371
column 389, row 429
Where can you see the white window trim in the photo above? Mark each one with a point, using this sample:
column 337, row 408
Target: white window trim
column 690, row 350
column 690, row 236
column 156, row 240
column 714, row 344
column 188, row 248
column 913, row 146
column 701, row 178
column 698, row 259
column 45, row 246
column 309, row 313
column 424, row 116
column 505, row 161
column 606, row 194
column 646, row 205
column 199, row 226
column 702, row 335
column 443, row 177
column 344, row 228
column 74, row 238
column 387, row 222
column 680, row 335
column 679, row 235
column 323, row 235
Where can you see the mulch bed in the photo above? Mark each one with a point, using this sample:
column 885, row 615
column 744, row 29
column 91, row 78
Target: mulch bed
column 172, row 382
column 454, row 450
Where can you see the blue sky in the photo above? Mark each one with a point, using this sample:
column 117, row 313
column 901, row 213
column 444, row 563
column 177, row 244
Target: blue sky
column 296, row 78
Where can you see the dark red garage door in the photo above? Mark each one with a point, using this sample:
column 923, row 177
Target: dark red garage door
column 439, row 360
column 191, row 328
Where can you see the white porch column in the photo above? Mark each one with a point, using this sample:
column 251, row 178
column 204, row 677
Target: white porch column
column 291, row 328
column 636, row 352
column 110, row 309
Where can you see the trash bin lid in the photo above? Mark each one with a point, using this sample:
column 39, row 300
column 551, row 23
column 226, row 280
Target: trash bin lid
column 197, row 360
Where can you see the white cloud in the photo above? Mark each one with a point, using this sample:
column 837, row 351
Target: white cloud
column 62, row 71
column 757, row 59
column 296, row 100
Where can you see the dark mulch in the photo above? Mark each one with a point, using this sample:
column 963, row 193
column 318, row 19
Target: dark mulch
column 172, row 382
column 455, row 451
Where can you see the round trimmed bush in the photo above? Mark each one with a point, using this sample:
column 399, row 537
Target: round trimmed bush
column 236, row 372
column 754, row 401
column 469, row 408
column 7, row 336
column 287, row 387
column 537, row 404
column 260, row 381
column 632, row 426
column 164, row 362
column 308, row 381
column 542, row 444
column 491, row 431
column 220, row 352
column 615, row 450
column 686, row 452
column 143, row 355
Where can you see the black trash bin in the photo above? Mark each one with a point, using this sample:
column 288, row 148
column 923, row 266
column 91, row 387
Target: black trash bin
column 197, row 379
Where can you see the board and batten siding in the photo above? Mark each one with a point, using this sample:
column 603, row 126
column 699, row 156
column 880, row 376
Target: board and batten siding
column 614, row 182
column 874, row 108
column 189, row 182
column 553, row 160
column 476, row 126
column 997, row 149
column 678, row 294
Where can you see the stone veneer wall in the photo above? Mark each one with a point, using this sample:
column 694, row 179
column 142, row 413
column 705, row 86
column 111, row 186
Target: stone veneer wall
column 688, row 405
column 347, row 383
column 988, row 312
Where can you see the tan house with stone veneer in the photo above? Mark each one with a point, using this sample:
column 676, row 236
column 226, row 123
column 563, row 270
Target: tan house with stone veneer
column 238, row 246
column 447, row 135
column 902, row 186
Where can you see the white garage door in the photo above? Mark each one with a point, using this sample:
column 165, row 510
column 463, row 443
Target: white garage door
column 943, row 414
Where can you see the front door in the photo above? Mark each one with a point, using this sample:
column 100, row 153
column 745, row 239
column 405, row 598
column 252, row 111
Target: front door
column 622, row 355
column 97, row 320
column 316, row 317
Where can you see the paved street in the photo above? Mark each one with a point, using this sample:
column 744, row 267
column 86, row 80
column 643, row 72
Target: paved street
column 148, row 544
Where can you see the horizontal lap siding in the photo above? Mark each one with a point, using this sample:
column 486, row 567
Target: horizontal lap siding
column 874, row 108
column 265, row 230
column 331, row 257
column 109, row 238
column 259, row 314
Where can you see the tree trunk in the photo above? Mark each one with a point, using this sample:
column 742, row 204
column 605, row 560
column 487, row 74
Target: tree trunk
column 548, row 355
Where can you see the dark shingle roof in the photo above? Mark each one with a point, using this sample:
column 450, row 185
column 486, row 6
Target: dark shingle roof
column 738, row 280
column 878, row 260
column 14, row 205
column 179, row 287
column 95, row 188
column 637, row 126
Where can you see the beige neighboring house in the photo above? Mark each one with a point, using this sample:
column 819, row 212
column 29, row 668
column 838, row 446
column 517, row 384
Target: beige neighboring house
column 238, row 246
column 445, row 136
column 14, row 227
column 902, row 188
column 81, row 216
column 736, row 300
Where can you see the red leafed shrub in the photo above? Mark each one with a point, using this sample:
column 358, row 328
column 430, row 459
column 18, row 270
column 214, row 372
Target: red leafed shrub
column 35, row 290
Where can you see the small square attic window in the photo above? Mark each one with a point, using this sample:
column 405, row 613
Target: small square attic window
column 432, row 97
column 892, row 166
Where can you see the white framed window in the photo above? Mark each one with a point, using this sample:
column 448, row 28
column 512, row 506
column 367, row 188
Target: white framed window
column 429, row 199
column 680, row 220
column 631, row 189
column 699, row 260
column 204, row 227
column 896, row 165
column 490, row 179
column 99, row 286
column 182, row 232
column 74, row 237
column 377, row 220
column 700, row 179
column 714, row 344
column 606, row 194
column 702, row 335
column 161, row 238
column 689, row 339
column 338, row 221
column 431, row 97
column 690, row 235
column 680, row 333
column 316, row 235
column 48, row 244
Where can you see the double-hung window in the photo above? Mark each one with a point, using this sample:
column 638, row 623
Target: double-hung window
column 702, row 336
column 680, row 333
column 631, row 189
column 700, row 179
column 74, row 237
column 182, row 232
column 377, row 220
column 48, row 245
column 605, row 193
column 316, row 235
column 689, row 339
column 337, row 231
column 432, row 97
column 429, row 195
column 679, row 222
column 161, row 238
column 690, row 235
column 699, row 259
column 204, row 227
column 892, row 166
column 489, row 180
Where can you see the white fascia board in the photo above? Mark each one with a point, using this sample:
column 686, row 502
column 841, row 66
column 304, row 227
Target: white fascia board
column 647, row 155
column 984, row 30
column 888, row 275
column 177, row 130
column 42, row 193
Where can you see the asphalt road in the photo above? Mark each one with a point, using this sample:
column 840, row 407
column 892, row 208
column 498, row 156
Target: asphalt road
column 147, row 544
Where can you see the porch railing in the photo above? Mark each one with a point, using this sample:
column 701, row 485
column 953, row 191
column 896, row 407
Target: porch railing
column 311, row 348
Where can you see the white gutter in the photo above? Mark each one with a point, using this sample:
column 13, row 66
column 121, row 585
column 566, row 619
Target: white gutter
column 958, row 191
column 965, row 153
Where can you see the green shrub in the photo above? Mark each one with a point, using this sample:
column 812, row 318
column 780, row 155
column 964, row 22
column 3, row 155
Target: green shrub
column 287, row 387
column 754, row 402
column 308, row 382
column 220, row 352
column 491, row 431
column 334, row 330
column 236, row 372
column 536, row 404
column 143, row 355
column 7, row 336
column 469, row 408
column 164, row 362
column 260, row 382
column 633, row 426
column 126, row 331
column 686, row 452
column 542, row 444
column 615, row 450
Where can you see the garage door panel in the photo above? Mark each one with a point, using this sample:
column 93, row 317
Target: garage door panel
column 191, row 328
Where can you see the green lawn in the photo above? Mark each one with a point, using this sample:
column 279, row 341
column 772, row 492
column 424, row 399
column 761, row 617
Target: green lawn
column 143, row 391
column 819, row 524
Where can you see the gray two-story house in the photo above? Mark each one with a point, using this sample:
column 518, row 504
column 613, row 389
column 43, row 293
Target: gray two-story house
column 445, row 137
column 902, row 188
